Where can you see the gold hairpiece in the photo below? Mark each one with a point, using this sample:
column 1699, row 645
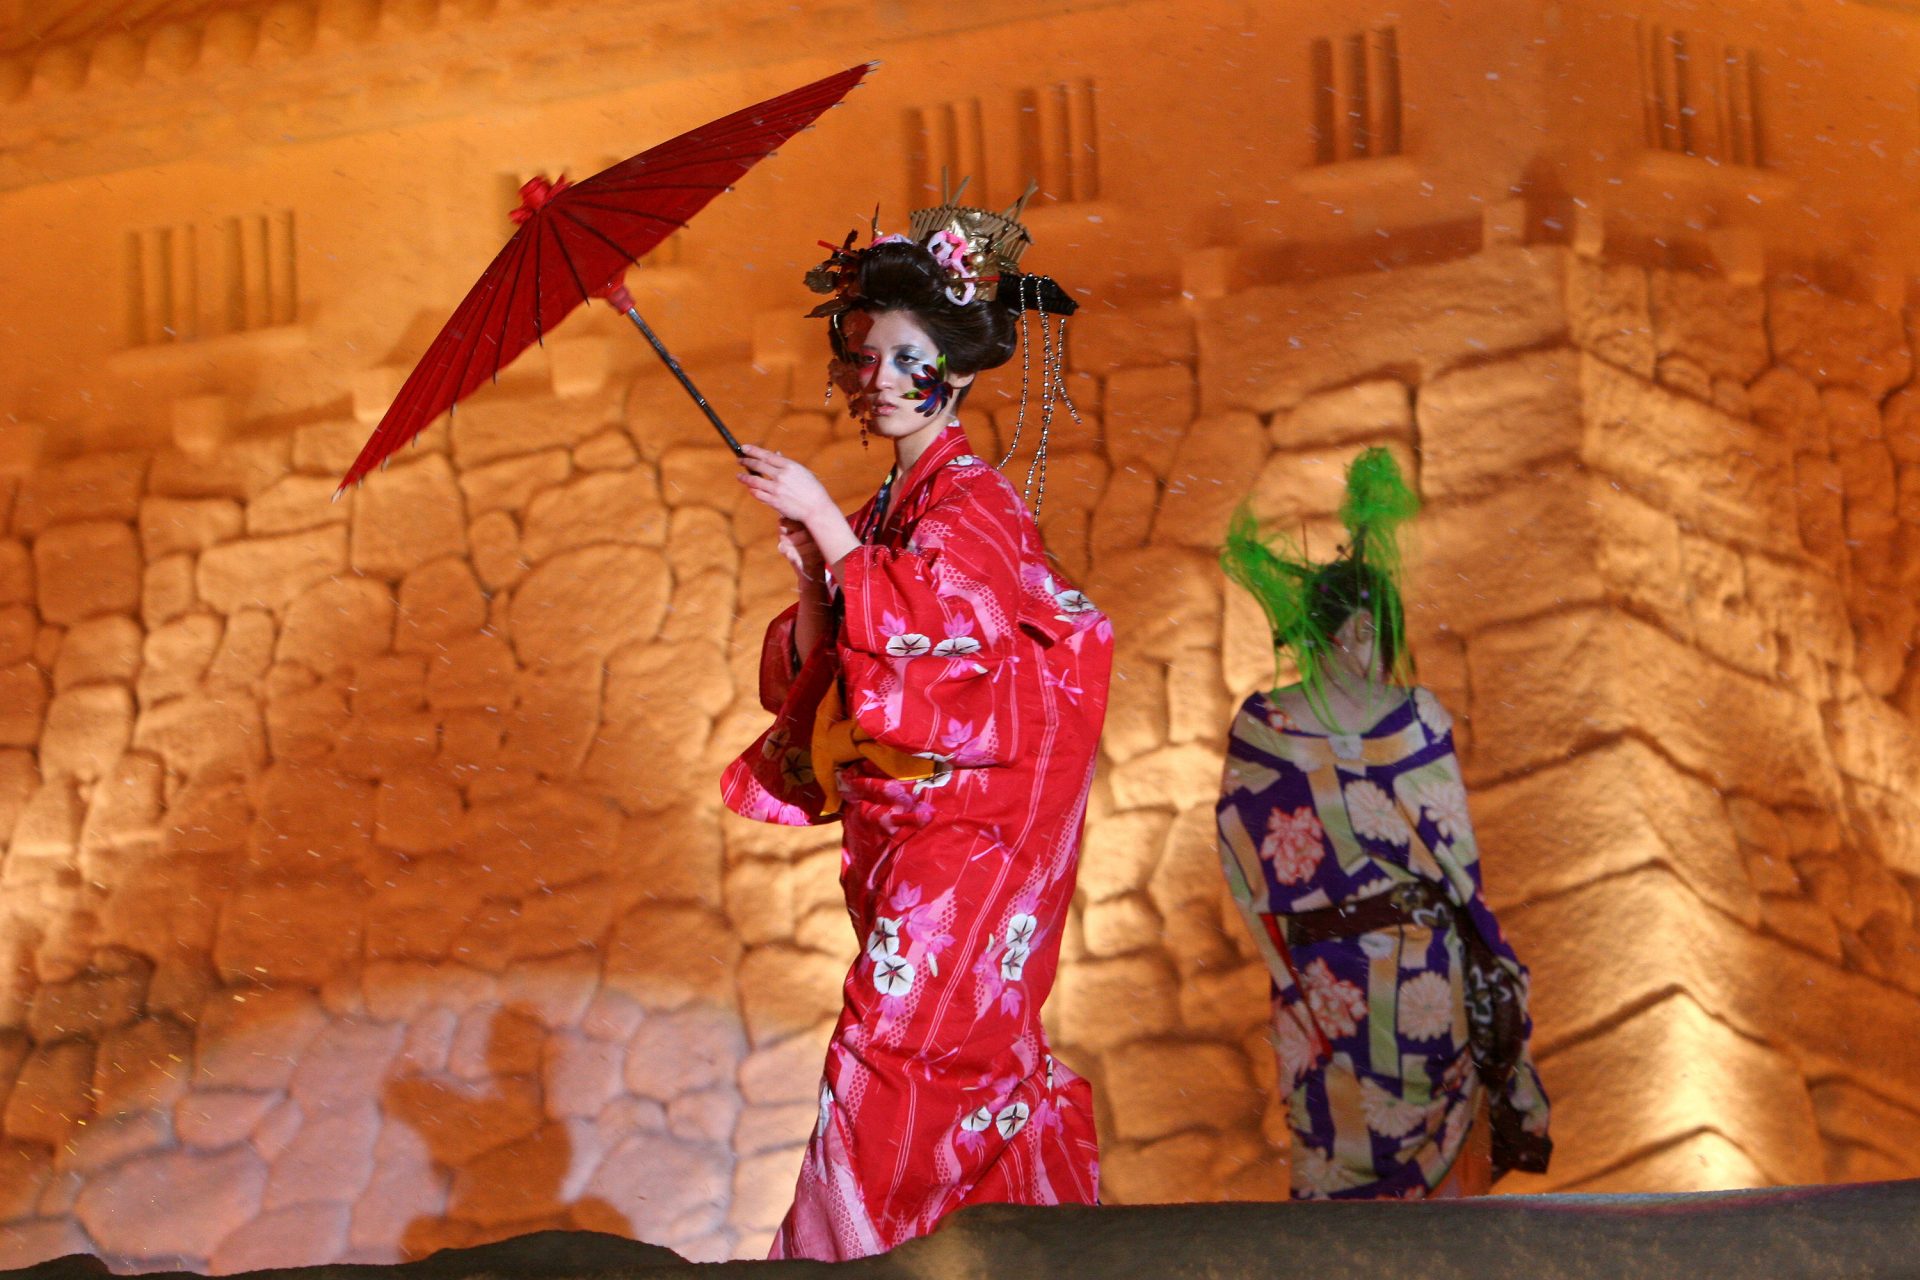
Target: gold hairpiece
column 995, row 241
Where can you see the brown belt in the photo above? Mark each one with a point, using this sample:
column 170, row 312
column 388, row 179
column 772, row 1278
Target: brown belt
column 1414, row 902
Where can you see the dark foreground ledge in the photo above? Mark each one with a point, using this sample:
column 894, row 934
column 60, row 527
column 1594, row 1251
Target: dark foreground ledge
column 1865, row 1230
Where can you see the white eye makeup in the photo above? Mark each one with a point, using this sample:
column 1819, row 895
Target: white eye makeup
column 907, row 358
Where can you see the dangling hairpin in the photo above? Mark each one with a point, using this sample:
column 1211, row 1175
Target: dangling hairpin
column 1041, row 294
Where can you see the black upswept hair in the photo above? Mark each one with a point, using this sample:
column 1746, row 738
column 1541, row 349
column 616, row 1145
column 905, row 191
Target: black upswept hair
column 902, row 276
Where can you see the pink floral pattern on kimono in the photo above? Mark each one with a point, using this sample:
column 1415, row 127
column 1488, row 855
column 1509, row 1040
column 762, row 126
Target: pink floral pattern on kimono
column 959, row 643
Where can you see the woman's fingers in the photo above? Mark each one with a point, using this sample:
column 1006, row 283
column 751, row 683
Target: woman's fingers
column 769, row 492
column 783, row 484
column 764, row 461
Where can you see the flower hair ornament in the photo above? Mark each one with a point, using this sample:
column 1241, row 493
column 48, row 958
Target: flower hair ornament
column 1306, row 603
column 978, row 251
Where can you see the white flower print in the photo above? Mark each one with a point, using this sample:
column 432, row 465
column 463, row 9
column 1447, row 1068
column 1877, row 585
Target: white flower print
column 977, row 1121
column 1316, row 1176
column 1337, row 1005
column 1346, row 746
column 1365, row 889
column 826, row 1110
column 956, row 647
column 1388, row 1114
column 1426, row 1006
column 1431, row 713
column 1294, row 1049
column 1072, row 602
column 1378, row 946
column 965, row 460
column 1445, row 801
column 884, row 941
column 908, row 644
column 1013, row 963
column 893, row 976
column 1012, row 1118
column 796, row 766
column 941, row 776
column 1374, row 814
column 1020, row 930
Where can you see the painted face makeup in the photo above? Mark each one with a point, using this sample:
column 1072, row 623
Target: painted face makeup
column 931, row 388
column 893, row 365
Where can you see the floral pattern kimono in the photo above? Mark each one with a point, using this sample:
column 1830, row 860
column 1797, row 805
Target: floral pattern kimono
column 1370, row 1030
column 960, row 652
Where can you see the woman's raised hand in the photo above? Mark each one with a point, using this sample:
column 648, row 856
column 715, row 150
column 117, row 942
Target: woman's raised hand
column 800, row 499
column 801, row 551
column 783, row 484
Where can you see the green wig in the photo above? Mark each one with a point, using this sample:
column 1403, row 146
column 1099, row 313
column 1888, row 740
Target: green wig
column 1305, row 603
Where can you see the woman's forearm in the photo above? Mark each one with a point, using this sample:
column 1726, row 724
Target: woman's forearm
column 834, row 536
column 810, row 620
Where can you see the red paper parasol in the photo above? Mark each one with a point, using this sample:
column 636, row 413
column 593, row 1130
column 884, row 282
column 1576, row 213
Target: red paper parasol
column 575, row 241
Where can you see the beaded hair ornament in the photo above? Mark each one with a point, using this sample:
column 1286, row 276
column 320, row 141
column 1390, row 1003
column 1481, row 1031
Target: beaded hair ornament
column 979, row 251
column 1306, row 603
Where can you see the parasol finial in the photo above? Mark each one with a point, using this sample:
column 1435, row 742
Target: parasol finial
column 535, row 192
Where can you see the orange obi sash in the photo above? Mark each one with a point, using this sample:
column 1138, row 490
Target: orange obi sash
column 838, row 740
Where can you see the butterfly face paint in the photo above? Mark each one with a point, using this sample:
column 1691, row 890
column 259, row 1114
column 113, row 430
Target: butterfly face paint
column 931, row 388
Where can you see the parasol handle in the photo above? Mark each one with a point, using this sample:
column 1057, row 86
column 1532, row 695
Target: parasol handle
column 623, row 301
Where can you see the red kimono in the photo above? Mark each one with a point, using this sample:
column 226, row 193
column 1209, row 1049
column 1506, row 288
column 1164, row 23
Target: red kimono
column 975, row 682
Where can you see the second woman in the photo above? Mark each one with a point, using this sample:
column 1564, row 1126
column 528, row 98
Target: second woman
column 1399, row 1009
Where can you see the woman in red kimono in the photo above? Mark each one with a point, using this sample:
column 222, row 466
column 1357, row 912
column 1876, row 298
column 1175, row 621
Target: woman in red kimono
column 939, row 690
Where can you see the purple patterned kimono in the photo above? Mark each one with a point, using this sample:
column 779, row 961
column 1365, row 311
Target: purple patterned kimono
column 1371, row 1030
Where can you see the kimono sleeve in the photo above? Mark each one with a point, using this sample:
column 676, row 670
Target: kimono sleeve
column 931, row 631
column 779, row 659
column 1435, row 798
column 1297, row 1040
column 773, row 780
